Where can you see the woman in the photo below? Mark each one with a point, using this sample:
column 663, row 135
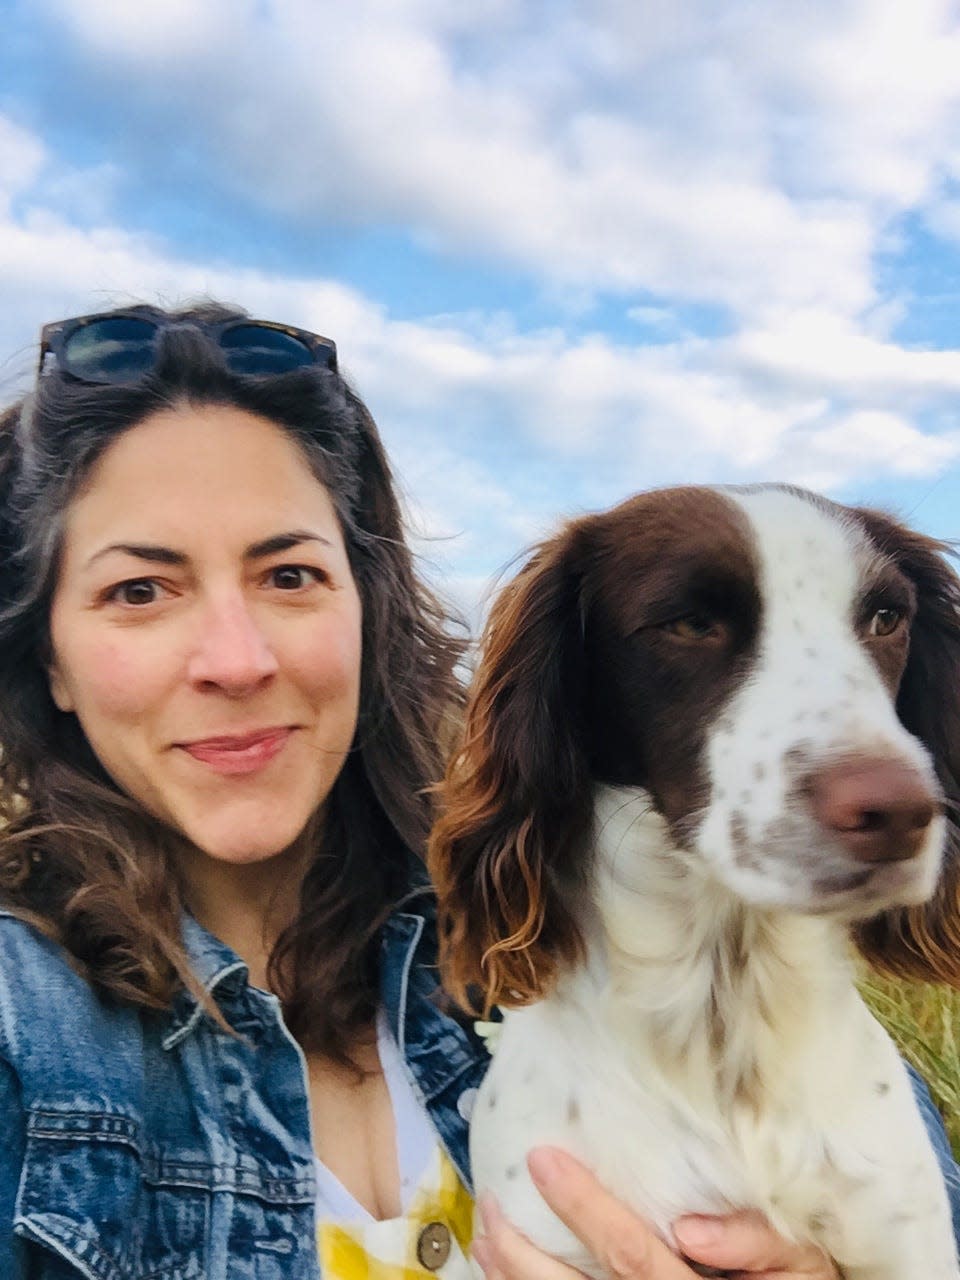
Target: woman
column 223, row 694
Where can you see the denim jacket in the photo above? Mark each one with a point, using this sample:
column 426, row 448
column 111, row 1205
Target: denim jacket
column 155, row 1147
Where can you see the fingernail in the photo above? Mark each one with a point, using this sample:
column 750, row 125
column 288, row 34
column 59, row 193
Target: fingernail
column 694, row 1232
column 546, row 1164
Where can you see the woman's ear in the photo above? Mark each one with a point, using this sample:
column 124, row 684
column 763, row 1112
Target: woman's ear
column 510, row 849
column 58, row 687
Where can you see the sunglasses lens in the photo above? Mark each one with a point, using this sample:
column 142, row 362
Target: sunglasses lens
column 119, row 348
column 115, row 349
column 257, row 349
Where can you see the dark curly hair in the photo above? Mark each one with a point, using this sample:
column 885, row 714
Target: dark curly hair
column 79, row 859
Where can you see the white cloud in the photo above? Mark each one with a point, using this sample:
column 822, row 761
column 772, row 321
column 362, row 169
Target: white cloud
column 742, row 154
column 862, row 445
column 817, row 350
column 152, row 34
column 22, row 157
column 484, row 418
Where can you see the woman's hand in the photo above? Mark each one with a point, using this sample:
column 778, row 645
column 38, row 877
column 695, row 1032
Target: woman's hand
column 739, row 1246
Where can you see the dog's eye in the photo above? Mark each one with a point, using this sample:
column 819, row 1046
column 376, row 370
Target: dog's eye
column 884, row 622
column 694, row 626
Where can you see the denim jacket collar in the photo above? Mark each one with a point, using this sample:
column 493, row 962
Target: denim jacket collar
column 218, row 969
column 211, row 959
column 214, row 963
column 409, row 986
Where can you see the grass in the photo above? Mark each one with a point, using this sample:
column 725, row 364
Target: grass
column 924, row 1020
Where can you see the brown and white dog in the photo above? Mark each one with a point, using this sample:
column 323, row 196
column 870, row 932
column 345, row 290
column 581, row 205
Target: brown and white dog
column 713, row 734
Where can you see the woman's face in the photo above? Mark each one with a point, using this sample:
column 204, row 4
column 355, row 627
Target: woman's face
column 206, row 628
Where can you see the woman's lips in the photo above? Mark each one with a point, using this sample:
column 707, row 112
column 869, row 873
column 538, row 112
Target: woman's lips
column 245, row 753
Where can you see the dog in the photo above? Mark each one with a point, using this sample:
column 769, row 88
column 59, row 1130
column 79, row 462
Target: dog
column 714, row 736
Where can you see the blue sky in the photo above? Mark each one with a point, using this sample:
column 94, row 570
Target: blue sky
column 567, row 250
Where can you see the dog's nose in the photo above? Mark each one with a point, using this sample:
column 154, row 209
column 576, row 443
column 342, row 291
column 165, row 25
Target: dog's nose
column 880, row 809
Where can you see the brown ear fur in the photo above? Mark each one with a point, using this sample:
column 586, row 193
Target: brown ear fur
column 924, row 942
column 509, row 849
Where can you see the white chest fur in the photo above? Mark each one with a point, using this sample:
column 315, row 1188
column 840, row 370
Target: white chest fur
column 711, row 1056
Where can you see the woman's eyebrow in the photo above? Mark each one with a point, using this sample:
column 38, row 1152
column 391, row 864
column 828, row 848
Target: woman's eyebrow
column 142, row 551
column 282, row 542
column 152, row 553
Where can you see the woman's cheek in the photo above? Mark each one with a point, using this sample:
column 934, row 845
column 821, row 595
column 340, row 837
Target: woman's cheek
column 330, row 661
column 113, row 682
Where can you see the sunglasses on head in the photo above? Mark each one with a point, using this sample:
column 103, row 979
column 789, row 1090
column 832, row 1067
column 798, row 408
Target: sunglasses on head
column 121, row 346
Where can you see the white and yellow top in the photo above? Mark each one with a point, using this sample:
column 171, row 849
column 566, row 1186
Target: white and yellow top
column 432, row 1236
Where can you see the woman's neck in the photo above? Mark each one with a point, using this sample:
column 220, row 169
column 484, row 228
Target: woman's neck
column 247, row 906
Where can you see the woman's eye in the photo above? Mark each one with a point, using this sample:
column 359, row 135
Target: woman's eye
column 884, row 622
column 135, row 591
column 695, row 626
column 294, row 577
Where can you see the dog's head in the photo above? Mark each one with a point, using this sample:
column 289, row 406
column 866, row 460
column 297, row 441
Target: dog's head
column 779, row 673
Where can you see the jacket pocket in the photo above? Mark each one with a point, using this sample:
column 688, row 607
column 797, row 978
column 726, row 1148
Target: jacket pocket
column 84, row 1197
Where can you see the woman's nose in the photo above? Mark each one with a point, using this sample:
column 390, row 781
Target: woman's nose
column 232, row 653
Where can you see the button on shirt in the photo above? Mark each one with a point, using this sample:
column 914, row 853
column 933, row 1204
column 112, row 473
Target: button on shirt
column 432, row 1237
column 434, row 1229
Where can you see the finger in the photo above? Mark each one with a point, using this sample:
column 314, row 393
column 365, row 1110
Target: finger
column 614, row 1234
column 745, row 1241
column 506, row 1254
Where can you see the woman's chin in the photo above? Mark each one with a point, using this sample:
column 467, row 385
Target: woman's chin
column 243, row 846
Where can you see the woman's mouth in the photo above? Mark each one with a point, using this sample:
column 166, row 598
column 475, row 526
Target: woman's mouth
column 240, row 753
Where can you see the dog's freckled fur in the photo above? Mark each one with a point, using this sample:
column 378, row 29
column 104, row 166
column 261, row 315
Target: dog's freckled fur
column 676, row 937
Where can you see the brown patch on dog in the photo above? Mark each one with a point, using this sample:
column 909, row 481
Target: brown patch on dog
column 605, row 660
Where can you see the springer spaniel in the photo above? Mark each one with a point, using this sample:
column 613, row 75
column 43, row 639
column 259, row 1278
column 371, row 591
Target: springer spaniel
column 714, row 734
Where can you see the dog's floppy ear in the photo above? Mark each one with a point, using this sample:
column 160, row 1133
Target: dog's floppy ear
column 508, row 853
column 924, row 942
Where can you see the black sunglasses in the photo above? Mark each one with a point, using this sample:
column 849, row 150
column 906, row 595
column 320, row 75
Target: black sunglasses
column 121, row 346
